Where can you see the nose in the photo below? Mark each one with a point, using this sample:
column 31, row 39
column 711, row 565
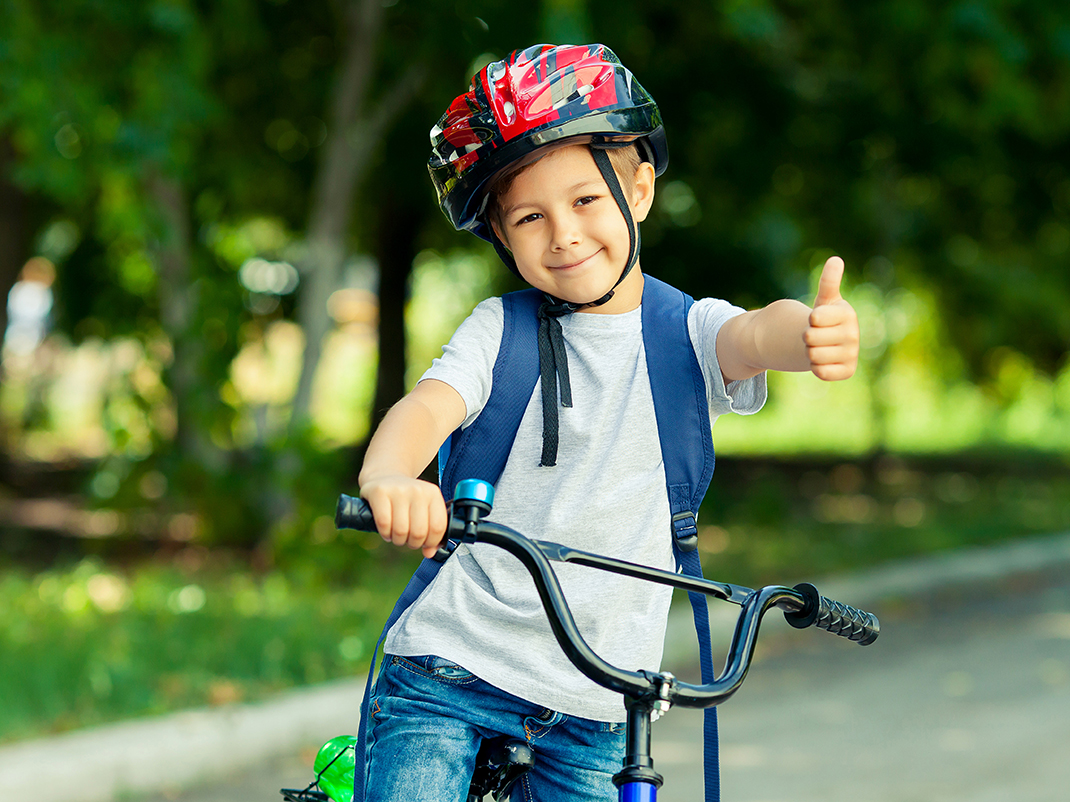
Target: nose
column 566, row 233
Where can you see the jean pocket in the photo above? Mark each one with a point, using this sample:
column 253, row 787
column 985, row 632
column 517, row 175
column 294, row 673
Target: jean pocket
column 436, row 668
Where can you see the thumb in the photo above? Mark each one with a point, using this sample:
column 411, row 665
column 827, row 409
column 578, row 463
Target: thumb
column 828, row 288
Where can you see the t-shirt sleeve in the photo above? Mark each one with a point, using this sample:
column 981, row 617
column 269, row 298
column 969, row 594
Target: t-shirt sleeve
column 467, row 361
column 704, row 323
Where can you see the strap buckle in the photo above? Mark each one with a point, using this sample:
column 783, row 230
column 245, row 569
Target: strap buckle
column 445, row 549
column 685, row 530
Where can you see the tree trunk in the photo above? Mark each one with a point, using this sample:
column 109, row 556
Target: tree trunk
column 399, row 223
column 177, row 311
column 356, row 128
column 14, row 238
column 337, row 178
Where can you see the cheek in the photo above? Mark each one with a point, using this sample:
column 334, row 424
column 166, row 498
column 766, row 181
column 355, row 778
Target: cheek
column 528, row 255
column 613, row 229
column 520, row 243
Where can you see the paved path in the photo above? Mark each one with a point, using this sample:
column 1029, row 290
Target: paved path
column 963, row 698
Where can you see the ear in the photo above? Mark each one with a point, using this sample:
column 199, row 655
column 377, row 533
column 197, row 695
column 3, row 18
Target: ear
column 643, row 191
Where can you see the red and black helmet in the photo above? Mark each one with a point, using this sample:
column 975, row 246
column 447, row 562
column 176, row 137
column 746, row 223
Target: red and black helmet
column 536, row 97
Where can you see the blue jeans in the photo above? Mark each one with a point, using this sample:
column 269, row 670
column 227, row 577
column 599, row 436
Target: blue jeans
column 428, row 717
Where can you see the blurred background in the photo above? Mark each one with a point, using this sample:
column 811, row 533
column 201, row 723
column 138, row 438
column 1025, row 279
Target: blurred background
column 222, row 262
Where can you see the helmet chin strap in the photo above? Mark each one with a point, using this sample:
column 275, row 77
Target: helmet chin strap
column 553, row 360
column 605, row 167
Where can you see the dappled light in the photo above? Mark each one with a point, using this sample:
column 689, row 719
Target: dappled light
column 92, row 628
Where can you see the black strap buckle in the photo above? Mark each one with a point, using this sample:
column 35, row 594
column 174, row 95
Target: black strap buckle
column 445, row 549
column 685, row 530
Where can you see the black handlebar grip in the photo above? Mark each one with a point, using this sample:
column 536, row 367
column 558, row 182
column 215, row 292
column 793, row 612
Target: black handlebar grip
column 354, row 513
column 836, row 617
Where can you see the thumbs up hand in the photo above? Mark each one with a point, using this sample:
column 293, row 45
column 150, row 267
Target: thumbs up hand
column 832, row 336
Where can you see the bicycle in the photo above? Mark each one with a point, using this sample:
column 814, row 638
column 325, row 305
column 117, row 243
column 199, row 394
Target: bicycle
column 648, row 694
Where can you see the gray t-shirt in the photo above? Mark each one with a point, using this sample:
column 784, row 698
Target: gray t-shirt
column 605, row 495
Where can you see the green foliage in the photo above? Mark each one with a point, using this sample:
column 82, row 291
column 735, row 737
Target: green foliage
column 116, row 83
column 926, row 142
column 934, row 153
column 94, row 643
column 787, row 520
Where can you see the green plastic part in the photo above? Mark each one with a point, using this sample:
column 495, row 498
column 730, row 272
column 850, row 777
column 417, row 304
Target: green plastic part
column 335, row 766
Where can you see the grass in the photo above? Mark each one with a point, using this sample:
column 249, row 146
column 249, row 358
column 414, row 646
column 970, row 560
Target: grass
column 770, row 520
column 97, row 642
column 92, row 644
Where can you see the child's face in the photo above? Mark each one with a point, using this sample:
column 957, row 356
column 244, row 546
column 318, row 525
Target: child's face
column 566, row 232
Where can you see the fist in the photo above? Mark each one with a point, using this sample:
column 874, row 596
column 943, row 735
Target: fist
column 408, row 512
column 832, row 336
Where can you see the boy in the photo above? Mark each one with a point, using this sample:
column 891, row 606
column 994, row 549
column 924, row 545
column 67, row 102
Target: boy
column 553, row 156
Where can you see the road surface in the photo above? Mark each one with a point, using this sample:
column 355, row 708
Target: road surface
column 962, row 699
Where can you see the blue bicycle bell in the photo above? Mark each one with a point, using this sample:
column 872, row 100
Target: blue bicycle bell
column 475, row 491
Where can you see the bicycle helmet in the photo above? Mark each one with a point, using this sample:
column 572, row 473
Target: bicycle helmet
column 535, row 97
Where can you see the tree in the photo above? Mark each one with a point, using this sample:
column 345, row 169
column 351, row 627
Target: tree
column 104, row 109
column 134, row 120
column 927, row 142
column 357, row 124
column 399, row 73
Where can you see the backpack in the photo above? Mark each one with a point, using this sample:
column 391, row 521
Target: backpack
column 480, row 452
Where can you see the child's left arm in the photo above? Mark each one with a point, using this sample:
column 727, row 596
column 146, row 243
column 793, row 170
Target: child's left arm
column 790, row 336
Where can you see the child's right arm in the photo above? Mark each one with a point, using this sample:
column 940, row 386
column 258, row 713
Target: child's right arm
column 788, row 335
column 409, row 511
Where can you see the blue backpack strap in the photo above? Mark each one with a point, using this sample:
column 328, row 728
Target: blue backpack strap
column 679, row 392
column 481, row 450
column 419, row 580
column 478, row 452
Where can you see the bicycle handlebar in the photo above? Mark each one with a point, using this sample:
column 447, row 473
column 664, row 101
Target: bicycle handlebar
column 836, row 617
column 354, row 513
column 803, row 606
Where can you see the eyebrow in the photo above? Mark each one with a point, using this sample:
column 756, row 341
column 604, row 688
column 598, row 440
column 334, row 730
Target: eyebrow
column 575, row 188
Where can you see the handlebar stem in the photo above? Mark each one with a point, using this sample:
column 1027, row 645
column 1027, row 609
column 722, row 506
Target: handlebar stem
column 638, row 764
column 471, row 512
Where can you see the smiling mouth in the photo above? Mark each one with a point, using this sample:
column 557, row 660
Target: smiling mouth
column 572, row 265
